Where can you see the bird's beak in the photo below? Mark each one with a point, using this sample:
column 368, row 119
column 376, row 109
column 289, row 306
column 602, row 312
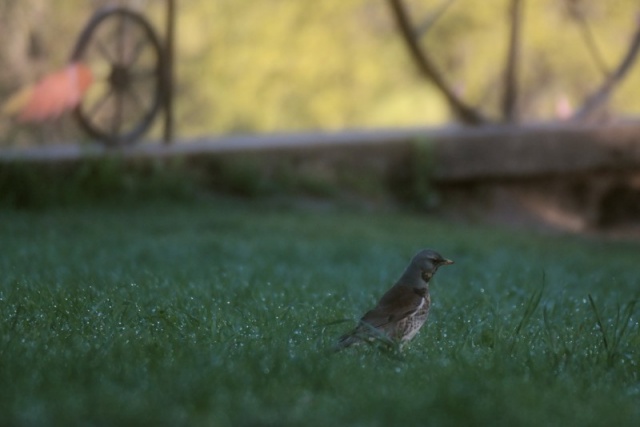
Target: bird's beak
column 447, row 262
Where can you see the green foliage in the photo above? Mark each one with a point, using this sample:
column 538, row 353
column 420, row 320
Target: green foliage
column 309, row 65
column 412, row 184
column 254, row 175
column 223, row 313
column 104, row 180
column 117, row 180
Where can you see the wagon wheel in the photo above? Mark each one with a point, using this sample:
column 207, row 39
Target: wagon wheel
column 417, row 18
column 126, row 57
column 414, row 22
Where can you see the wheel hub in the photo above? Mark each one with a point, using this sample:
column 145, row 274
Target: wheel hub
column 120, row 79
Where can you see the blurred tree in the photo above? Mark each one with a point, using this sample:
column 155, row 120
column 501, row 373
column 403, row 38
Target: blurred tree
column 22, row 45
column 283, row 64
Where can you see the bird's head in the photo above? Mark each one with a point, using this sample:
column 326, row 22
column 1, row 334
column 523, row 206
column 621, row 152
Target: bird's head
column 427, row 262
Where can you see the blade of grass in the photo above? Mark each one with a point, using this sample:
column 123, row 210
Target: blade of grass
column 621, row 328
column 601, row 327
column 530, row 308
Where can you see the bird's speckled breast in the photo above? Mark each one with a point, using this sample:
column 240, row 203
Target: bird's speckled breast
column 408, row 327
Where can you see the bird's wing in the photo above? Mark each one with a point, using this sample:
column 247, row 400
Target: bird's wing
column 398, row 303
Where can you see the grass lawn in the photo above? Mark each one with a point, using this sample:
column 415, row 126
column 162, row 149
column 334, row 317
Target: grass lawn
column 221, row 313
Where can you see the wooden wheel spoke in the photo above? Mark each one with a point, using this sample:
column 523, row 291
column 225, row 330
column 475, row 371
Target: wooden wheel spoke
column 104, row 51
column 100, row 103
column 431, row 19
column 137, row 51
column 121, row 38
column 602, row 93
column 143, row 74
column 590, row 41
column 137, row 100
column 116, row 120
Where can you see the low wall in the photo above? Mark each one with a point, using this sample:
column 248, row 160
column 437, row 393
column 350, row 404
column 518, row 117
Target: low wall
column 567, row 176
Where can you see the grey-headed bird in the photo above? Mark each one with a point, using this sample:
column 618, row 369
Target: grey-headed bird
column 404, row 308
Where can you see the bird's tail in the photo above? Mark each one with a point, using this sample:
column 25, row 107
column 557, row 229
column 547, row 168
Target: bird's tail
column 346, row 340
column 364, row 333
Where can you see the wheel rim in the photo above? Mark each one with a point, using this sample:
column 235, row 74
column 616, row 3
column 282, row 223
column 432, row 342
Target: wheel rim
column 126, row 56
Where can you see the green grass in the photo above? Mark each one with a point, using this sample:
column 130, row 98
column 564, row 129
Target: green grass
column 221, row 313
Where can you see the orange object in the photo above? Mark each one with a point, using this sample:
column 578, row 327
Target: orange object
column 52, row 96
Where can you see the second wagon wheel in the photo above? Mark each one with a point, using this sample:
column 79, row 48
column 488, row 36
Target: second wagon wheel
column 126, row 58
column 415, row 18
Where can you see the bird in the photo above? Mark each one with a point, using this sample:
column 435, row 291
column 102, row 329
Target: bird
column 403, row 309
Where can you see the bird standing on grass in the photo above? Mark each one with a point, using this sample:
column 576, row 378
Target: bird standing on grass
column 404, row 308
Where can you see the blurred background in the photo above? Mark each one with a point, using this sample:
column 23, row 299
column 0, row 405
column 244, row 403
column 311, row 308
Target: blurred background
column 288, row 65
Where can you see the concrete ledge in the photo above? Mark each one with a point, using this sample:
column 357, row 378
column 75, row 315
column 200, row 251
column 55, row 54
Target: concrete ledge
column 462, row 153
column 568, row 176
column 529, row 151
column 308, row 141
